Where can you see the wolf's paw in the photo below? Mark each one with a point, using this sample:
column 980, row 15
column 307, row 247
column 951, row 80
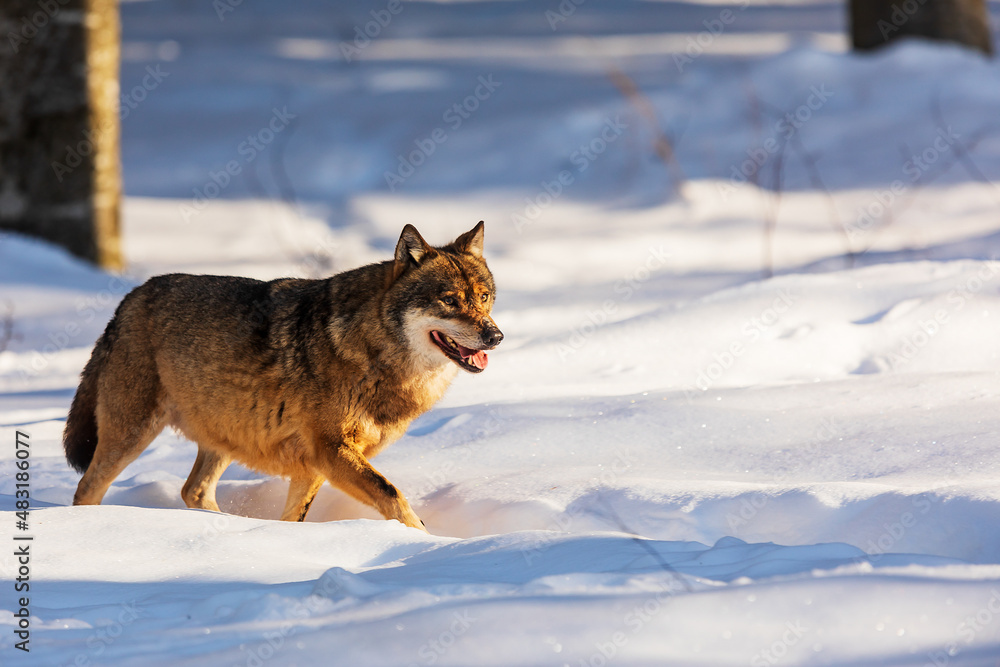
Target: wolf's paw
column 408, row 517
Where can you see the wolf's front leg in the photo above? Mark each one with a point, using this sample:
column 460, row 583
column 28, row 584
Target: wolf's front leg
column 347, row 469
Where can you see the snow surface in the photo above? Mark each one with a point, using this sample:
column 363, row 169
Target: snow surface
column 672, row 459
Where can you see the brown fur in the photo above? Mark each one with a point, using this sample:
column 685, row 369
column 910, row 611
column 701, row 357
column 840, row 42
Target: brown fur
column 307, row 379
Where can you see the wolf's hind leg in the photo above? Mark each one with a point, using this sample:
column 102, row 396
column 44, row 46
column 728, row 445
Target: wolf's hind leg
column 120, row 440
column 301, row 492
column 199, row 489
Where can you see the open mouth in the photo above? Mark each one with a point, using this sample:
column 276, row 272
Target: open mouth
column 468, row 359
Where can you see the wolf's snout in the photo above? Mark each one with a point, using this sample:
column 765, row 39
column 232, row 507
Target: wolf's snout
column 492, row 336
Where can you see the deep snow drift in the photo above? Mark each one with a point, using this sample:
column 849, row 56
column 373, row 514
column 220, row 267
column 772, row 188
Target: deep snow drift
column 671, row 459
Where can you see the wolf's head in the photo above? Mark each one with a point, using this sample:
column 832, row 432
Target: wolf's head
column 441, row 299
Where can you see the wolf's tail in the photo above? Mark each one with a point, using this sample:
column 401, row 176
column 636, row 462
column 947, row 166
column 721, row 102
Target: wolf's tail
column 80, row 434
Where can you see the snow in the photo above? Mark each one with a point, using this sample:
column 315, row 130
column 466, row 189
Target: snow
column 672, row 459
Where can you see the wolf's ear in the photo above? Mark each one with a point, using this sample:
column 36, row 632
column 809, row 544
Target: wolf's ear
column 472, row 240
column 411, row 248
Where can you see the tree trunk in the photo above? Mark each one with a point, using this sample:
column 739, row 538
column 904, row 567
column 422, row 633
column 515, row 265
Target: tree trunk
column 877, row 22
column 60, row 173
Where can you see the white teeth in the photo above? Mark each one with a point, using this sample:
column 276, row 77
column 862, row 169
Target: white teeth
column 448, row 340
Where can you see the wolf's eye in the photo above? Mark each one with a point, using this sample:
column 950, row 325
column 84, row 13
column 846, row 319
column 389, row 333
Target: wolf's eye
column 449, row 301
column 486, row 297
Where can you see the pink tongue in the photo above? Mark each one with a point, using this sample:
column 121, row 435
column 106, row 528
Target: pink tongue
column 477, row 358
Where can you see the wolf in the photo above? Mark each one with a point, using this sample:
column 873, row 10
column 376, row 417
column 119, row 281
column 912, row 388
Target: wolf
column 305, row 379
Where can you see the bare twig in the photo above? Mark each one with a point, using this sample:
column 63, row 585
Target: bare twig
column 320, row 260
column 817, row 182
column 909, row 197
column 772, row 202
column 257, row 188
column 663, row 144
column 644, row 543
column 7, row 325
column 756, row 124
column 771, row 210
column 770, row 214
column 278, row 169
column 812, row 171
column 961, row 152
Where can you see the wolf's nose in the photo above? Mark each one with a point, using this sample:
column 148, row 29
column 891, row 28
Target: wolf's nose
column 492, row 337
